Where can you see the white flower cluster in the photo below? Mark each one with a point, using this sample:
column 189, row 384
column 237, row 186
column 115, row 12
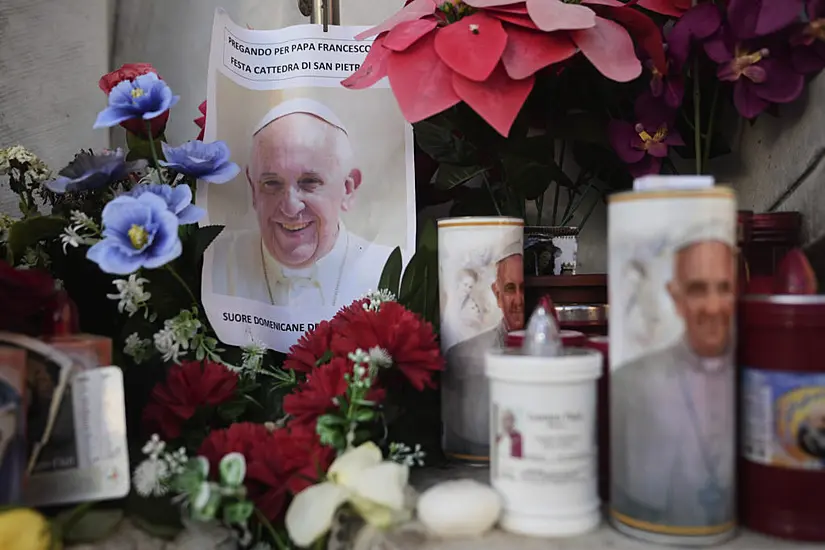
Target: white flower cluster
column 151, row 477
column 155, row 176
column 374, row 299
column 175, row 338
column 252, row 358
column 139, row 349
column 404, row 454
column 82, row 231
column 12, row 157
column 130, row 294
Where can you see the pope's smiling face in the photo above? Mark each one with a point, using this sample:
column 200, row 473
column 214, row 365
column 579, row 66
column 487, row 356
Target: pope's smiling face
column 302, row 178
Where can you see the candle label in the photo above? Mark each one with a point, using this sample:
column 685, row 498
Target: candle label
column 784, row 419
column 553, row 446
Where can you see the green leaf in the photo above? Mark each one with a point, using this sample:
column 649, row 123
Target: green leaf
column 433, row 312
column 29, row 231
column 585, row 126
column 428, row 239
column 437, row 138
column 94, row 526
column 364, row 415
column 140, row 148
column 452, row 175
column 529, row 179
column 391, row 275
column 232, row 410
column 204, row 237
column 413, row 277
column 238, row 513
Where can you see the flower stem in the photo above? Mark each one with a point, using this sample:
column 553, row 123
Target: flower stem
column 152, row 147
column 182, row 283
column 697, row 117
column 74, row 517
column 271, row 530
column 709, row 136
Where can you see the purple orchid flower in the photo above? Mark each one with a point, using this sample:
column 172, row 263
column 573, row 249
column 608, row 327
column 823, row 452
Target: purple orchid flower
column 643, row 145
column 808, row 40
column 669, row 87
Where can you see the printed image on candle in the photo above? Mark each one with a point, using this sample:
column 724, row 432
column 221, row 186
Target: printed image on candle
column 509, row 442
column 672, row 419
column 811, row 433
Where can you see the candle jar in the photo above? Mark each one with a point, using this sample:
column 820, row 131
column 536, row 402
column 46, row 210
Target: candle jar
column 782, row 454
column 772, row 236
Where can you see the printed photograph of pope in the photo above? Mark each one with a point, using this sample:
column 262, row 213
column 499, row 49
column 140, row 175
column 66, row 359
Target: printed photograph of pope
column 672, row 410
column 303, row 174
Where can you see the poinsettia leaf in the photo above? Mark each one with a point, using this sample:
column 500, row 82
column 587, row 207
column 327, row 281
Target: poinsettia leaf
column 437, row 138
column 452, row 175
column 413, row 278
column 528, row 178
column 473, row 202
column 391, row 274
column 204, row 237
column 94, row 526
column 29, row 231
column 428, row 238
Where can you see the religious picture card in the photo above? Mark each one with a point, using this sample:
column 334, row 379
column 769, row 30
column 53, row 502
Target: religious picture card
column 326, row 189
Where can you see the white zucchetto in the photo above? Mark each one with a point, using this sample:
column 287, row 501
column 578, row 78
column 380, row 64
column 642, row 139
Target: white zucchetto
column 300, row 105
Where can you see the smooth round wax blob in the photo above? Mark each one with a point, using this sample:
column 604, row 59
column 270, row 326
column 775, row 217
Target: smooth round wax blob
column 460, row 508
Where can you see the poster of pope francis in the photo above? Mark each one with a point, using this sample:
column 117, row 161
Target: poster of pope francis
column 326, row 190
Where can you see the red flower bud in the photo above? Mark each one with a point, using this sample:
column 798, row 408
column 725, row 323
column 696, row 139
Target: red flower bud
column 795, row 275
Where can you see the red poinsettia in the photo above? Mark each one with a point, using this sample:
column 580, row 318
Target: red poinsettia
column 131, row 71
column 287, row 462
column 188, row 386
column 240, row 437
column 310, row 349
column 316, row 395
column 201, row 120
column 674, row 8
column 485, row 53
column 401, row 334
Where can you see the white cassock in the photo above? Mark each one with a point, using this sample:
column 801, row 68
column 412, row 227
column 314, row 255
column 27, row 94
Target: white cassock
column 673, row 439
column 242, row 267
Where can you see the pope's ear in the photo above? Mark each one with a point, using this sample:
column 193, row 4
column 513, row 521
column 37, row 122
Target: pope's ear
column 351, row 185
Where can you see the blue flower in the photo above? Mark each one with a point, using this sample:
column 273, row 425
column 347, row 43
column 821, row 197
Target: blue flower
column 178, row 199
column 137, row 232
column 145, row 97
column 89, row 171
column 206, row 161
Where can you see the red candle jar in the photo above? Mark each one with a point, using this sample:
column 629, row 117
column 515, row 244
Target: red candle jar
column 782, row 456
column 772, row 235
column 600, row 343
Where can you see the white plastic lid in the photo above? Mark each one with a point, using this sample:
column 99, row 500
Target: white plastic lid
column 658, row 182
column 573, row 365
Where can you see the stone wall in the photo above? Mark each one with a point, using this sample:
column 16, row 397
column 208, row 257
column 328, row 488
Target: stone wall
column 52, row 53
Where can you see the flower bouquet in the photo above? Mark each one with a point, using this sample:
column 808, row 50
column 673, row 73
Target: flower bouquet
column 244, row 438
column 508, row 97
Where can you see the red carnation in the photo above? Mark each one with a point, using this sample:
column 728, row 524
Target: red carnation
column 201, row 120
column 312, row 347
column 408, row 340
column 316, row 396
column 289, row 461
column 237, row 438
column 28, row 298
column 131, row 71
column 188, row 386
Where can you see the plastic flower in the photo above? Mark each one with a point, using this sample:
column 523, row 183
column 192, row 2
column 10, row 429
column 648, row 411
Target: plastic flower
column 644, row 144
column 402, row 335
column 668, row 86
column 25, row 529
column 286, row 463
column 129, row 72
column 809, row 39
column 312, row 349
column 146, row 97
column 486, row 52
column 206, row 161
column 89, row 171
column 320, row 392
column 674, row 8
column 360, row 477
column 137, row 232
column 178, row 199
column 240, row 437
column 130, row 295
column 201, row 120
column 187, row 387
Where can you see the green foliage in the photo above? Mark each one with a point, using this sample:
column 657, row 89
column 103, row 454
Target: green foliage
column 30, row 231
column 418, row 290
